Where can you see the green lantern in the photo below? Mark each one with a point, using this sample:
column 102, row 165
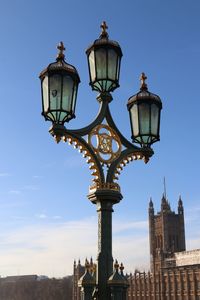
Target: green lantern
column 144, row 109
column 104, row 58
column 59, row 83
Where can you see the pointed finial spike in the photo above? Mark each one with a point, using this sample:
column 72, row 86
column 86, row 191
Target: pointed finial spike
column 143, row 77
column 87, row 265
column 150, row 202
column 61, row 48
column 121, row 268
column 180, row 202
column 165, row 190
column 116, row 265
column 104, row 27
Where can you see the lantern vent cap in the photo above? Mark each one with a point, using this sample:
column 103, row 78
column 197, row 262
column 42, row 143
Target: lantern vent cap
column 144, row 94
column 104, row 40
column 60, row 65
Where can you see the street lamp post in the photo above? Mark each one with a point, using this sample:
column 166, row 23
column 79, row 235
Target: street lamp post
column 106, row 149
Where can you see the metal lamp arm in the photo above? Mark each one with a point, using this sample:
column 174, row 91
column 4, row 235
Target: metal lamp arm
column 118, row 160
column 98, row 120
column 111, row 122
column 74, row 138
column 126, row 156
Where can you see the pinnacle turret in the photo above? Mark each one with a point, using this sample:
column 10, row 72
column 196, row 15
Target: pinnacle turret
column 165, row 205
column 151, row 208
column 180, row 206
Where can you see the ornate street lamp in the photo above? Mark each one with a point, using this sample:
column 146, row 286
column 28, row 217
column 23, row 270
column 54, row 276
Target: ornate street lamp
column 101, row 143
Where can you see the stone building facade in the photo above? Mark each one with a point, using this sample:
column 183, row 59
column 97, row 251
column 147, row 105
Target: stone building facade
column 179, row 283
column 174, row 272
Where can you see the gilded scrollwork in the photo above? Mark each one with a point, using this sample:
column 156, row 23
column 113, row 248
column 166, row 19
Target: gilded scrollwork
column 107, row 145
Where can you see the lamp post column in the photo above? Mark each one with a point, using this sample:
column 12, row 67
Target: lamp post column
column 104, row 200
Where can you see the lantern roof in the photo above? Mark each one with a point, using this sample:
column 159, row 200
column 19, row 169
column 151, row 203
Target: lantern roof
column 104, row 40
column 60, row 65
column 144, row 94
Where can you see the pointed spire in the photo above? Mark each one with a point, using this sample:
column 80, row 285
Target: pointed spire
column 180, row 206
column 150, row 203
column 180, row 202
column 165, row 190
column 87, row 265
column 165, row 205
column 151, row 208
column 92, row 267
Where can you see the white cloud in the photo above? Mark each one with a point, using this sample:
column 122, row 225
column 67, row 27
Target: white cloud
column 15, row 192
column 41, row 216
column 123, row 226
column 5, row 174
column 51, row 248
column 30, row 187
column 37, row 176
column 57, row 217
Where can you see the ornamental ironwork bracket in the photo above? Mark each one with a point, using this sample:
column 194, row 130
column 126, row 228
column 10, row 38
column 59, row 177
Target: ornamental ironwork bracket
column 107, row 151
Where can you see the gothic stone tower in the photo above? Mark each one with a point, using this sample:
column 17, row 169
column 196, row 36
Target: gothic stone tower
column 166, row 233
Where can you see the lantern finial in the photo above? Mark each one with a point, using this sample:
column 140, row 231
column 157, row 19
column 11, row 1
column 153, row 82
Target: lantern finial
column 61, row 48
column 104, row 33
column 143, row 77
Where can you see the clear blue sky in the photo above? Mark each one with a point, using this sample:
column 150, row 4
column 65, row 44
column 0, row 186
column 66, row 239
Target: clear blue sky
column 46, row 220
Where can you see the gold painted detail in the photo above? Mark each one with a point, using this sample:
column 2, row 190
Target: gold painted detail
column 126, row 160
column 107, row 145
column 143, row 78
column 61, row 48
column 104, row 28
column 105, row 186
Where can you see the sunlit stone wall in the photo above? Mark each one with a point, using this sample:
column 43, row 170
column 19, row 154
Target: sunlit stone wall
column 187, row 257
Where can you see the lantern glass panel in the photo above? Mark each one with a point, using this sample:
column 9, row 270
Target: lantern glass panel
column 144, row 118
column 134, row 120
column 74, row 97
column 92, row 65
column 118, row 66
column 101, row 63
column 67, row 93
column 112, row 64
column 154, row 119
column 45, row 94
column 55, row 83
column 145, row 139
